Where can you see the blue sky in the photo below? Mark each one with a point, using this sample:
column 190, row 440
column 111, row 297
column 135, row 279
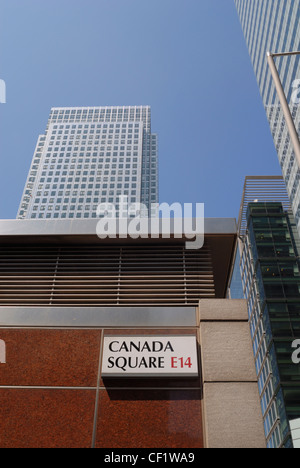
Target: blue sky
column 187, row 59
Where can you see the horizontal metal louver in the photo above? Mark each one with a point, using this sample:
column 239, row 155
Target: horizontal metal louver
column 106, row 275
column 262, row 189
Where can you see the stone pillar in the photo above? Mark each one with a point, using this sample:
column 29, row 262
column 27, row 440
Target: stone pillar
column 231, row 404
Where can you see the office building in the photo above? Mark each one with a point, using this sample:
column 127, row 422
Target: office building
column 274, row 26
column 79, row 319
column 267, row 275
column 88, row 156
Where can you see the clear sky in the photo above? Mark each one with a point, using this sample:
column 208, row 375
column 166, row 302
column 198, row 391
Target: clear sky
column 187, row 59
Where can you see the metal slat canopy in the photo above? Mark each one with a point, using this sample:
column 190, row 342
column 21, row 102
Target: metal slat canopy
column 51, row 265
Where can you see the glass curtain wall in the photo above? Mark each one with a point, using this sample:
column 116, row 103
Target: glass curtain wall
column 271, row 283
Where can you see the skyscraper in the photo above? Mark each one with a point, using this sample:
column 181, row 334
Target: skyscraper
column 274, row 25
column 267, row 274
column 88, row 156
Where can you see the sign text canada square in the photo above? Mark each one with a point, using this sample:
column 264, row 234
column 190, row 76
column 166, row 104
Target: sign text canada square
column 142, row 356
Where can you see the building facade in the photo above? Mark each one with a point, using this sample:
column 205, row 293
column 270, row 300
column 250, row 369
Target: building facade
column 90, row 156
column 274, row 26
column 65, row 293
column 266, row 274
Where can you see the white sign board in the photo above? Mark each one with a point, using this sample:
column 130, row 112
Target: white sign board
column 150, row 356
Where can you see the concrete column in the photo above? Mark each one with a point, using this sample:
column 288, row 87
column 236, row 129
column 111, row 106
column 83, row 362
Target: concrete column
column 231, row 404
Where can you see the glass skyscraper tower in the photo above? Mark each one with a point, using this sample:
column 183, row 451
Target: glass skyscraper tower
column 267, row 274
column 88, row 156
column 274, row 25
